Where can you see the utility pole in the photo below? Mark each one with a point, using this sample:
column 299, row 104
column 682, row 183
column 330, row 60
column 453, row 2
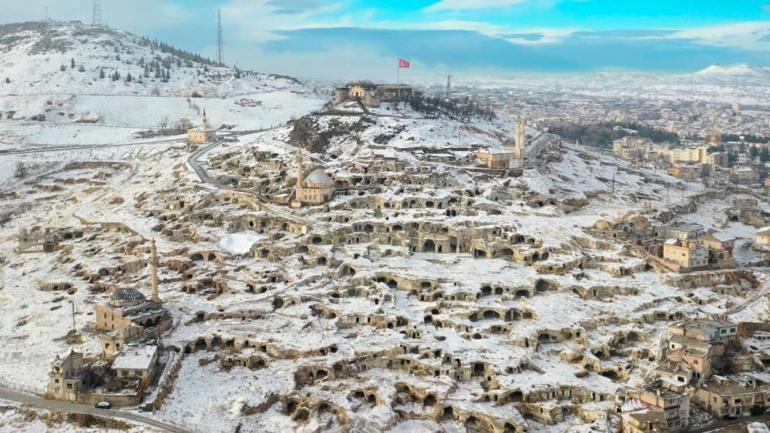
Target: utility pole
column 73, row 316
column 613, row 180
column 220, row 43
column 96, row 19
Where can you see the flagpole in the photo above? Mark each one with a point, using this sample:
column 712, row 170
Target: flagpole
column 398, row 72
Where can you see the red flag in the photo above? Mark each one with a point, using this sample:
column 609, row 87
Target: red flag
column 404, row 64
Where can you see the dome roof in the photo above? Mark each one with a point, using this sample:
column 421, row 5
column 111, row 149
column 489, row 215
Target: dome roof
column 127, row 295
column 319, row 177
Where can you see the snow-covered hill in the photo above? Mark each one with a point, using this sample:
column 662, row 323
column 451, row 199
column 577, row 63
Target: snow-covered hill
column 74, row 58
column 70, row 83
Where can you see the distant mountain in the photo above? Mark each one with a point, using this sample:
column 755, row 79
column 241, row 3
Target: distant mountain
column 75, row 58
column 734, row 75
column 735, row 71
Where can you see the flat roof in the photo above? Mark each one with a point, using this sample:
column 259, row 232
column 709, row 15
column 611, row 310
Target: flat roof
column 135, row 358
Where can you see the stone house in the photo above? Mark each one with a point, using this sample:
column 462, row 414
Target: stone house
column 720, row 248
column 675, row 406
column 687, row 171
column 66, row 376
column 685, row 255
column 744, row 175
column 724, row 398
column 709, row 331
column 685, row 232
column 136, row 363
column 632, row 148
column 646, row 421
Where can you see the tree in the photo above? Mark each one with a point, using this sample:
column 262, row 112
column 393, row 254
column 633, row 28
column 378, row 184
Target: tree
column 129, row 78
column 7, row 80
column 764, row 155
column 101, row 74
column 63, row 68
column 82, row 68
column 72, row 63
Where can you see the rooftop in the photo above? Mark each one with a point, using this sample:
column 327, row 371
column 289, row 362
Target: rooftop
column 135, row 358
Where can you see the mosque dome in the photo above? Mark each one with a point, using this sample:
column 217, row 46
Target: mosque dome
column 126, row 296
column 318, row 177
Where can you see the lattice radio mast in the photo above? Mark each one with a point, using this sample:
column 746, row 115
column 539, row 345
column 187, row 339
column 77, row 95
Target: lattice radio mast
column 220, row 43
column 96, row 19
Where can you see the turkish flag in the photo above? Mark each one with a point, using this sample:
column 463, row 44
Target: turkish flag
column 404, row 64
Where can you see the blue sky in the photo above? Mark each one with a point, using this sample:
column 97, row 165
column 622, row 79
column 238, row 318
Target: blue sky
column 356, row 38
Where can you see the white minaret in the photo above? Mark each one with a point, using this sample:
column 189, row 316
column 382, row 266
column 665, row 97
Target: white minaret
column 521, row 141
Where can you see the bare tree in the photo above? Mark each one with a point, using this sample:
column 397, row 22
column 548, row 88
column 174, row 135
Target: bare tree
column 163, row 125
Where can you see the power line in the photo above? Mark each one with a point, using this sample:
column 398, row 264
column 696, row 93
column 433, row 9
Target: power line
column 96, row 18
column 220, row 43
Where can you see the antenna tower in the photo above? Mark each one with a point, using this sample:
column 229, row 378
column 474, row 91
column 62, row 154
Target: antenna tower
column 448, row 84
column 96, row 19
column 220, row 43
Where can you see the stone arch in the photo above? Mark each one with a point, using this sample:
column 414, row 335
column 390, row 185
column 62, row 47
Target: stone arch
column 511, row 397
column 429, row 246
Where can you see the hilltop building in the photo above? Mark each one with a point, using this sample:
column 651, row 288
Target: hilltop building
column 371, row 94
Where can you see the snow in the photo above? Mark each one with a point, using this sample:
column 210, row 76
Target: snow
column 135, row 358
column 15, row 419
column 239, row 243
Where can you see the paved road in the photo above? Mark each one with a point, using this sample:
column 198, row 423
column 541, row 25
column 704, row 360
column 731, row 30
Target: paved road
column 65, row 148
column 204, row 177
column 49, row 149
column 63, row 406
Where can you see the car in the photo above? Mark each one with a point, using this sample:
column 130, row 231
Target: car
column 103, row 405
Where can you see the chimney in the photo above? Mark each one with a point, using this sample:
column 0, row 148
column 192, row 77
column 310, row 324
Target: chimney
column 154, row 265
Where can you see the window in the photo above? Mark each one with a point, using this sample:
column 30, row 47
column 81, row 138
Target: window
column 69, row 386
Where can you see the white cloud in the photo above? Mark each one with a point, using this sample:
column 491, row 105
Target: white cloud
column 454, row 5
column 744, row 35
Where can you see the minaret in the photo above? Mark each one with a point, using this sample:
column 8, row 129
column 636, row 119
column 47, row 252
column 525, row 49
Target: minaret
column 299, row 172
column 521, row 141
column 154, row 266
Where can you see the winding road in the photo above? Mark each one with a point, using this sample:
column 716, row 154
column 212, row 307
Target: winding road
column 194, row 163
column 68, row 407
